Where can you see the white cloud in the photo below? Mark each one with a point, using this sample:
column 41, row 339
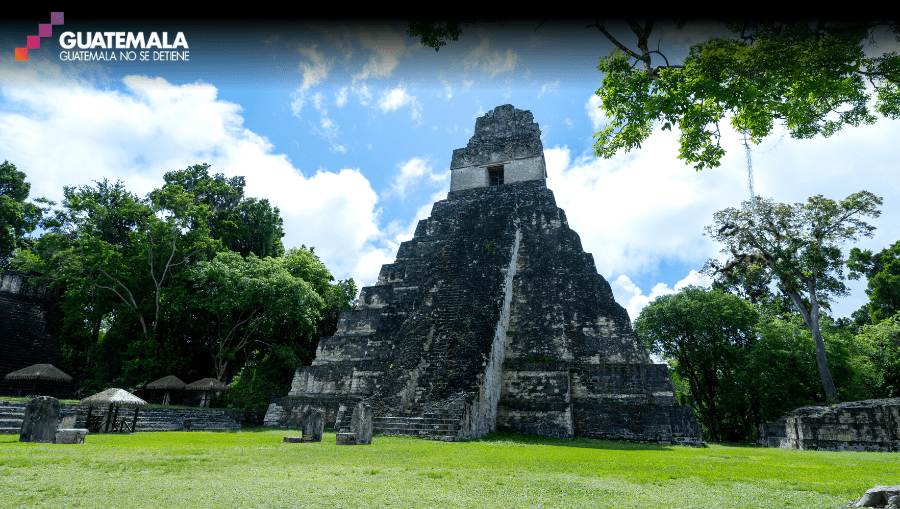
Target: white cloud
column 629, row 296
column 598, row 118
column 414, row 173
column 76, row 134
column 548, row 86
column 397, row 98
column 386, row 47
column 491, row 62
column 316, row 69
column 340, row 98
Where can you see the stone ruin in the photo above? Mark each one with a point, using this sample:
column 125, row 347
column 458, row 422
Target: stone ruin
column 492, row 318
column 870, row 425
column 27, row 312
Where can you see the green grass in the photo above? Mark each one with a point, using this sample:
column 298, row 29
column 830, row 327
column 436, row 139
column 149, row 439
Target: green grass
column 253, row 468
column 26, row 400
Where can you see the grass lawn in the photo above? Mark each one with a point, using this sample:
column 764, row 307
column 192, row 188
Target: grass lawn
column 253, row 468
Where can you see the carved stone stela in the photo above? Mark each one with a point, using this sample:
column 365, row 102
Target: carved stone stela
column 492, row 318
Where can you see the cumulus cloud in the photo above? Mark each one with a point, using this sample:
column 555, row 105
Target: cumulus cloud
column 629, row 296
column 490, row 61
column 397, row 98
column 413, row 173
column 76, row 134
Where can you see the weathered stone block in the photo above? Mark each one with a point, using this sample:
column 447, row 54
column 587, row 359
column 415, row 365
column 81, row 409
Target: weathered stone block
column 41, row 420
column 70, row 436
column 880, row 496
column 345, row 439
column 361, row 423
column 313, row 424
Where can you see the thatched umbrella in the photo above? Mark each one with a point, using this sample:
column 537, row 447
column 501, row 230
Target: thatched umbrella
column 38, row 372
column 207, row 385
column 114, row 398
column 167, row 383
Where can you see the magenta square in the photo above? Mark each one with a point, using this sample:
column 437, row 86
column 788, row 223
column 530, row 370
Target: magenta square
column 56, row 18
column 45, row 30
column 33, row 42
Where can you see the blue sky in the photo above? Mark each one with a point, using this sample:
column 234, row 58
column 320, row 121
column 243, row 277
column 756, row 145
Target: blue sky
column 348, row 127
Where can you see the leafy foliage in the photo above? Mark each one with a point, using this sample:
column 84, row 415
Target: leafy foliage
column 17, row 217
column 883, row 273
column 811, row 77
column 172, row 283
column 799, row 246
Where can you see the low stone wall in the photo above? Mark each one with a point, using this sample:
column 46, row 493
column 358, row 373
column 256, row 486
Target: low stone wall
column 149, row 419
column 870, row 425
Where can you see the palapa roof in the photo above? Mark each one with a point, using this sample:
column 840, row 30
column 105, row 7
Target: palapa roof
column 114, row 397
column 166, row 382
column 207, row 384
column 47, row 372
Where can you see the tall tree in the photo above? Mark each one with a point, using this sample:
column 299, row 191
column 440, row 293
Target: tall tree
column 18, row 218
column 811, row 76
column 800, row 246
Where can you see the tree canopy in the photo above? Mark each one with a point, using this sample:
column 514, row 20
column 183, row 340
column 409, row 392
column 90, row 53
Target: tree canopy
column 810, row 76
column 799, row 246
column 190, row 280
column 883, row 273
column 18, row 218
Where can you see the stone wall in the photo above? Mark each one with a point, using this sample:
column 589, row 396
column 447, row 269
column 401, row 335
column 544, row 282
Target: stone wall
column 504, row 136
column 27, row 312
column 870, row 425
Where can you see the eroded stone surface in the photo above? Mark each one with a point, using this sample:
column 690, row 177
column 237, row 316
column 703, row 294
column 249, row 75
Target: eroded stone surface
column 345, row 439
column 70, row 436
column 41, row 420
column 361, row 423
column 313, row 424
column 870, row 425
column 492, row 317
column 880, row 496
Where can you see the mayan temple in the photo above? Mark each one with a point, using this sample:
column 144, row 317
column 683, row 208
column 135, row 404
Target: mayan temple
column 492, row 318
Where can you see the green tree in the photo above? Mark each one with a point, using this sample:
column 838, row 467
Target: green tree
column 883, row 342
column 883, row 273
column 18, row 218
column 703, row 332
column 249, row 300
column 800, row 246
column 811, row 76
column 244, row 225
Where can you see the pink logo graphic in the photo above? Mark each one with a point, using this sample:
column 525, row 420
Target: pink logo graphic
column 44, row 30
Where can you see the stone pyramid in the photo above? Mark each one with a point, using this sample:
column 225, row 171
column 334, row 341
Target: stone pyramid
column 492, row 318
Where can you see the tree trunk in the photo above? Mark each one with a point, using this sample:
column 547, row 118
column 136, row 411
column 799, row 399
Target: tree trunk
column 811, row 317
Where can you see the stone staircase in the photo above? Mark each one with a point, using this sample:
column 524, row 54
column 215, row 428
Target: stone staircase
column 149, row 419
column 434, row 426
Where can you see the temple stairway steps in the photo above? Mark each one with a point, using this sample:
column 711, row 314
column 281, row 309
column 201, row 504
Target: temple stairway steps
column 431, row 425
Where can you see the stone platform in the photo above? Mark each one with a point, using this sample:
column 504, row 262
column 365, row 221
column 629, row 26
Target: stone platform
column 870, row 425
column 149, row 419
